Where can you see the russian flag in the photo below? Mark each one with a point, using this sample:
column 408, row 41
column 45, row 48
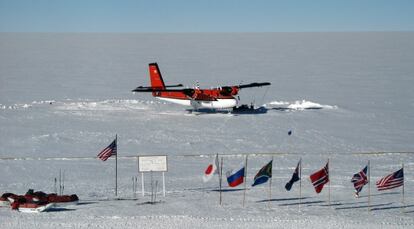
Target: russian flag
column 236, row 178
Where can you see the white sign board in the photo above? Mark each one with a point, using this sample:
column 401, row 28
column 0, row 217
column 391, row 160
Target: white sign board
column 152, row 163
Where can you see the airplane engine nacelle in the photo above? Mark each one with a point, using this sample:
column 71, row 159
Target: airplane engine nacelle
column 234, row 91
column 226, row 91
column 189, row 92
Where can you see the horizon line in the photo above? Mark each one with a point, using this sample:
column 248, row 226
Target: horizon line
column 213, row 32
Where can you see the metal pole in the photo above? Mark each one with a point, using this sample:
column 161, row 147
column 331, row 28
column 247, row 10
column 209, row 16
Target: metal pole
column 369, row 186
column 136, row 186
column 55, row 187
column 245, row 181
column 220, row 177
column 63, row 182
column 163, row 183
column 155, row 192
column 270, row 186
column 60, row 181
column 300, row 182
column 270, row 192
column 329, row 185
column 116, row 166
column 403, row 194
column 152, row 189
column 142, row 184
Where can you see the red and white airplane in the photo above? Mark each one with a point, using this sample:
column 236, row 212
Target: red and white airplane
column 215, row 98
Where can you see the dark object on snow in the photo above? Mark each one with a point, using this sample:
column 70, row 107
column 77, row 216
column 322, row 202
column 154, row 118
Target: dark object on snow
column 246, row 109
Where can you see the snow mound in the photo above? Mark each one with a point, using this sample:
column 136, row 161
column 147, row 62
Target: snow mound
column 104, row 105
column 15, row 106
column 85, row 105
column 43, row 102
column 298, row 105
column 91, row 105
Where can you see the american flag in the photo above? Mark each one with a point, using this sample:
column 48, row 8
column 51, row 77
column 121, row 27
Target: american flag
column 320, row 178
column 108, row 151
column 394, row 180
column 360, row 179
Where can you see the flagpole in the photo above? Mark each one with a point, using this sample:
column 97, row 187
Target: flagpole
column 116, row 166
column 369, row 186
column 142, row 184
column 60, row 181
column 300, row 183
column 245, row 181
column 329, row 195
column 220, row 177
column 163, row 183
column 270, row 186
column 403, row 195
column 63, row 182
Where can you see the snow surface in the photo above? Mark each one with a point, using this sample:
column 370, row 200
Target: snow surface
column 63, row 97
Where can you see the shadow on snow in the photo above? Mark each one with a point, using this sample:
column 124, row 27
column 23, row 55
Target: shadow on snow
column 281, row 199
column 228, row 190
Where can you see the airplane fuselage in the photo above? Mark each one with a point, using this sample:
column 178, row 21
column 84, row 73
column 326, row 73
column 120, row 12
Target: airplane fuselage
column 215, row 104
column 201, row 98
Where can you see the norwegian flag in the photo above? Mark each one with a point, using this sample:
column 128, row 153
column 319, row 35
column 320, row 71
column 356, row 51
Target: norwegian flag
column 108, row 151
column 360, row 179
column 320, row 178
column 394, row 180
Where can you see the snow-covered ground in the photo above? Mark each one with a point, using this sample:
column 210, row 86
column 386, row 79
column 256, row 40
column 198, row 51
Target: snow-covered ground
column 63, row 97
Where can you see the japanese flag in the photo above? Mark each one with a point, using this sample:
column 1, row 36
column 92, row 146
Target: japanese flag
column 211, row 170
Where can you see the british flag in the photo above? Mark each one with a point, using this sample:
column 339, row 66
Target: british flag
column 394, row 180
column 360, row 179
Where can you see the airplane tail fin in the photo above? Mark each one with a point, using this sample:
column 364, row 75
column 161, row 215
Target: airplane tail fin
column 156, row 77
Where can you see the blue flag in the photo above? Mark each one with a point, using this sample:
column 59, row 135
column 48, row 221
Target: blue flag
column 264, row 174
column 295, row 177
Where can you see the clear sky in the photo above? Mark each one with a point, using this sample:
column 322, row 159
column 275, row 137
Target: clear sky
column 205, row 15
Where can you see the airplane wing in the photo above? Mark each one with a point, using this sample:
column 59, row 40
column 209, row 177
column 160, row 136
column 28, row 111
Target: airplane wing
column 254, row 85
column 143, row 89
column 187, row 91
column 151, row 89
column 232, row 90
